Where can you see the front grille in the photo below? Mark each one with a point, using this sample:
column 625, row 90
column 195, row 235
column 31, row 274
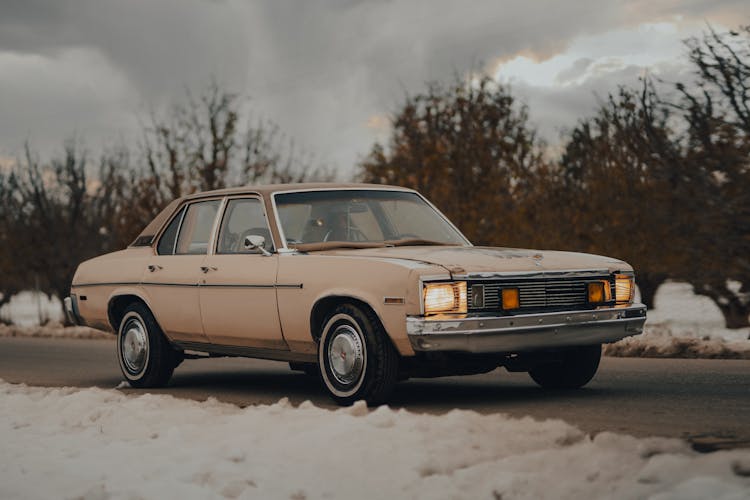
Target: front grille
column 551, row 294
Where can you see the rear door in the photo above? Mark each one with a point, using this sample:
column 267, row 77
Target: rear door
column 173, row 275
column 238, row 289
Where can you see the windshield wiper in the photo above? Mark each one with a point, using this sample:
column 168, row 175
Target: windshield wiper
column 414, row 242
column 332, row 245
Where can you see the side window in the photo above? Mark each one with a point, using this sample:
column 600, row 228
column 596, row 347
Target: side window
column 243, row 217
column 196, row 227
column 169, row 237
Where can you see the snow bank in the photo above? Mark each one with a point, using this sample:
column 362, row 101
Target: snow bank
column 53, row 330
column 96, row 443
column 684, row 325
column 32, row 308
column 686, row 314
column 660, row 341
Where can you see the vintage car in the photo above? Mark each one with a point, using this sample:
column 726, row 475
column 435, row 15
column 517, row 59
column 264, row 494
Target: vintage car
column 361, row 285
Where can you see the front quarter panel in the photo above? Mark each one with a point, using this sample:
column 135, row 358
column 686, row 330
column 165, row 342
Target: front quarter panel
column 304, row 279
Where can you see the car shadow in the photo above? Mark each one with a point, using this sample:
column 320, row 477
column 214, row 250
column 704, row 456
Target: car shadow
column 442, row 395
column 491, row 393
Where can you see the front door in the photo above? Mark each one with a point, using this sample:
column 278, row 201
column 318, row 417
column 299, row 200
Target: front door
column 171, row 279
column 238, row 288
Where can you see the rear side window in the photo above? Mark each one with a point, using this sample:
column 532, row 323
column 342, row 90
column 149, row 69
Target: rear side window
column 195, row 230
column 169, row 238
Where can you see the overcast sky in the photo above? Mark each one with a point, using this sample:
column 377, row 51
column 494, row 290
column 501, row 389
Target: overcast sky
column 328, row 72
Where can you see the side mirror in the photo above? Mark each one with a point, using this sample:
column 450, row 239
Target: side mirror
column 256, row 242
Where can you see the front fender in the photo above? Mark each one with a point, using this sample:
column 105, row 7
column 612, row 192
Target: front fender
column 392, row 316
column 367, row 280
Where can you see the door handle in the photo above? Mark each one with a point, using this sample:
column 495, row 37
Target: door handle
column 154, row 267
column 206, row 269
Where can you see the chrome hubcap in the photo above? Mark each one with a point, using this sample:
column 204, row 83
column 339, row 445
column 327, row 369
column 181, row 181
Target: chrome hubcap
column 134, row 345
column 346, row 355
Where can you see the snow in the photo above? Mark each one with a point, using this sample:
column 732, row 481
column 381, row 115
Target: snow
column 684, row 325
column 97, row 443
column 689, row 315
column 660, row 341
column 34, row 314
column 31, row 309
column 54, row 330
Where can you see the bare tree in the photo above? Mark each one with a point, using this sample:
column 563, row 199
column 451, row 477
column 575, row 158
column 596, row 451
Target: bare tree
column 201, row 144
column 716, row 108
column 11, row 228
column 62, row 216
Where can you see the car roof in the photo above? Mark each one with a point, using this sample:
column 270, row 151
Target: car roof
column 268, row 189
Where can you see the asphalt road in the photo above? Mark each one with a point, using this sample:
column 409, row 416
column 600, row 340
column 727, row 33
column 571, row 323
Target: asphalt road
column 706, row 402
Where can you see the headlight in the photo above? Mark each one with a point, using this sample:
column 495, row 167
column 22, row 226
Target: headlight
column 624, row 289
column 445, row 297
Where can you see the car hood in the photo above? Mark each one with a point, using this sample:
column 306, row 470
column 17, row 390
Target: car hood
column 478, row 260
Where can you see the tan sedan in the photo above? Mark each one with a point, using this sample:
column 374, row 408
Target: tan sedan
column 363, row 285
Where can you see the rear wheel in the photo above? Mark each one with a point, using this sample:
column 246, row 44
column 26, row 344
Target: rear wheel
column 146, row 358
column 575, row 367
column 356, row 357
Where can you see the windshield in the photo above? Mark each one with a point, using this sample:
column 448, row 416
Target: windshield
column 360, row 219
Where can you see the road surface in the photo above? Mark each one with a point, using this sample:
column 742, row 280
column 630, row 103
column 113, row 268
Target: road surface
column 706, row 402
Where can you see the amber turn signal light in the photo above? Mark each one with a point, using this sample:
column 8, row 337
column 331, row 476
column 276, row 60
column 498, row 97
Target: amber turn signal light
column 510, row 298
column 599, row 292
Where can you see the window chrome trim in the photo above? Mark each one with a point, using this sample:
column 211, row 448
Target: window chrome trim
column 225, row 205
column 212, row 240
column 220, row 199
column 384, row 188
column 180, row 212
column 183, row 211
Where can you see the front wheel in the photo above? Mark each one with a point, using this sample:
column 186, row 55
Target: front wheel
column 146, row 358
column 574, row 368
column 357, row 359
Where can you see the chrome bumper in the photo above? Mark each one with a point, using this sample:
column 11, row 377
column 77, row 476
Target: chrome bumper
column 71, row 310
column 509, row 334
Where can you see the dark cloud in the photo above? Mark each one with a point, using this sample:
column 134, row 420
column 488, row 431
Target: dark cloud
column 321, row 69
column 557, row 109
